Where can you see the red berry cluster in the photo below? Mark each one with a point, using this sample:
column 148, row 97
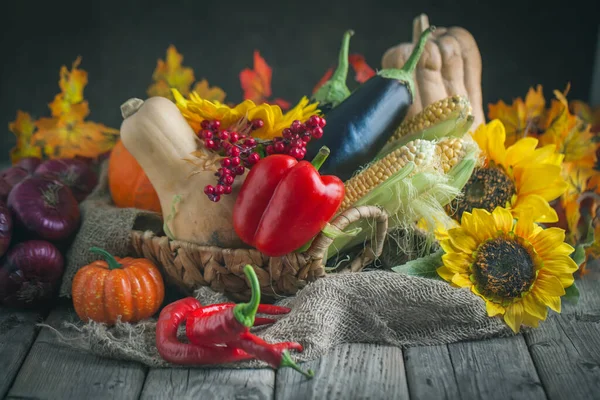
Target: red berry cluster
column 295, row 138
column 241, row 150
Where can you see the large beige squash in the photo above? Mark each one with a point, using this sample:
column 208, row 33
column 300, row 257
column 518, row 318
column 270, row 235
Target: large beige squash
column 450, row 65
column 159, row 137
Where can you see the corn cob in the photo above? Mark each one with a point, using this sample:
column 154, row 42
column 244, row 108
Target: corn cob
column 420, row 152
column 447, row 109
column 450, row 151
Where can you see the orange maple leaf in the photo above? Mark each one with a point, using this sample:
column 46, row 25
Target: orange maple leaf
column 206, row 92
column 256, row 83
column 23, row 127
column 363, row 72
column 71, row 83
column 171, row 74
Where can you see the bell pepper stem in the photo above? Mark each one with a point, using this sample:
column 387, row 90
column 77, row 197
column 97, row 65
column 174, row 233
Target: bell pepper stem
column 110, row 260
column 286, row 361
column 245, row 313
column 320, row 158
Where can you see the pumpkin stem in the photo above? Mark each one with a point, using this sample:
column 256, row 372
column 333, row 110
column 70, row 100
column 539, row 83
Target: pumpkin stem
column 131, row 106
column 110, row 260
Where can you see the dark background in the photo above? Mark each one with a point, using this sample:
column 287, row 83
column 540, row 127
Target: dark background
column 522, row 44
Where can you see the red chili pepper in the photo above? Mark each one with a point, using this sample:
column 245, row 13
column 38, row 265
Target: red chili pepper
column 225, row 324
column 275, row 357
column 172, row 350
column 284, row 203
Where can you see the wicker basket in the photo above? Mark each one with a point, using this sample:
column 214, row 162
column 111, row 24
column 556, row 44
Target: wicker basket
column 191, row 266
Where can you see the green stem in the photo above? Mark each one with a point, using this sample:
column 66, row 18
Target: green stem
column 412, row 61
column 110, row 260
column 286, row 361
column 320, row 158
column 341, row 71
column 246, row 312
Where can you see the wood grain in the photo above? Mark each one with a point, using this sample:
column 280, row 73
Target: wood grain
column 430, row 373
column 17, row 333
column 357, row 371
column 499, row 368
column 169, row 383
column 55, row 371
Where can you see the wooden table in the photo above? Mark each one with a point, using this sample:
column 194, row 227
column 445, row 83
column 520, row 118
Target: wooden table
column 560, row 360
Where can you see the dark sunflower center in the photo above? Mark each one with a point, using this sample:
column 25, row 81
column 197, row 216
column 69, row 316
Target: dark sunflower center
column 487, row 188
column 503, row 268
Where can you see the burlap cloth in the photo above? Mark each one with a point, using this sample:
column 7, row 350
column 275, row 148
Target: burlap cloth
column 376, row 306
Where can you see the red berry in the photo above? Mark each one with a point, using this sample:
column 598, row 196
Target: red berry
column 322, row 122
column 235, row 161
column 239, row 170
column 250, row 142
column 296, row 153
column 279, row 147
column 219, row 190
column 205, row 124
column 223, row 172
column 215, row 125
column 223, row 135
column 234, row 151
column 306, row 137
column 253, row 158
column 206, row 134
column 209, row 143
column 302, row 152
column 313, row 121
column 234, row 137
column 257, row 123
column 209, row 189
column 215, row 198
column 287, row 133
column 269, row 149
column 317, row 132
column 227, row 190
column 296, row 127
column 297, row 143
column 226, row 162
column 228, row 180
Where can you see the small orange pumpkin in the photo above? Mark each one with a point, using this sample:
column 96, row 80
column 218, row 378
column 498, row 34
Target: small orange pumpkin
column 129, row 288
column 129, row 186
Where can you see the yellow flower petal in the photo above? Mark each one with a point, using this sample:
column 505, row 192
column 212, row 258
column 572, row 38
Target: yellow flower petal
column 551, row 301
column 536, row 177
column 445, row 273
column 548, row 284
column 486, row 224
column 541, row 210
column 456, row 262
column 461, row 280
column 520, row 151
column 533, row 308
column 493, row 309
column 525, row 225
column 530, row 320
column 462, row 240
column 549, row 240
column 503, row 219
column 514, row 316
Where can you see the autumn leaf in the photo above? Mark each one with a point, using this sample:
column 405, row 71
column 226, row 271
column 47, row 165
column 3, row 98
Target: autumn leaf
column 323, row 80
column 171, row 74
column 23, row 127
column 71, row 83
column 363, row 72
column 206, row 92
column 256, row 83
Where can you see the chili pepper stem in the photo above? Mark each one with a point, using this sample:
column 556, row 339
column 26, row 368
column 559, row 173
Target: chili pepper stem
column 286, row 361
column 110, row 260
column 320, row 158
column 245, row 313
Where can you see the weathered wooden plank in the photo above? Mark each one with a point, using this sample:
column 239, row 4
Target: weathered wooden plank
column 350, row 371
column 55, row 371
column 499, row 368
column 430, row 373
column 17, row 333
column 171, row 383
column 566, row 352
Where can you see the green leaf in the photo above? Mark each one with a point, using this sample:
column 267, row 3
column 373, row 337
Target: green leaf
column 571, row 294
column 579, row 254
column 425, row 267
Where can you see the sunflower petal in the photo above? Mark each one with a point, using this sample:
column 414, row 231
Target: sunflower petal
column 461, row 280
column 503, row 219
column 514, row 316
column 533, row 308
column 445, row 273
column 462, row 240
column 493, row 309
column 548, row 284
column 520, row 151
column 536, row 178
column 486, row 225
column 551, row 301
column 525, row 225
column 533, row 203
column 530, row 320
column 549, row 241
column 496, row 138
column 456, row 262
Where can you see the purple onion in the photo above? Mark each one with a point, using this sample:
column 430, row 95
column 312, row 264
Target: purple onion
column 6, row 226
column 76, row 174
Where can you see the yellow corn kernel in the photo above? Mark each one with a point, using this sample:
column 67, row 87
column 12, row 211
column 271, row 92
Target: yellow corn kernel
column 440, row 111
column 418, row 151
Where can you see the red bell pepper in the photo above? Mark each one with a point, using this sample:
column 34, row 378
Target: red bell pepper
column 284, row 203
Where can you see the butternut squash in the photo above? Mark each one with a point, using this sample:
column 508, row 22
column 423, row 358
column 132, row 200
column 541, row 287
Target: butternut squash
column 159, row 137
column 450, row 65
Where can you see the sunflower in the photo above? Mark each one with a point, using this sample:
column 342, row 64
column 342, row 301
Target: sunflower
column 521, row 178
column 197, row 109
column 519, row 269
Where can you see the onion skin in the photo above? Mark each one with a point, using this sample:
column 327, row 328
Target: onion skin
column 29, row 164
column 9, row 178
column 76, row 174
column 44, row 209
column 30, row 274
column 6, row 227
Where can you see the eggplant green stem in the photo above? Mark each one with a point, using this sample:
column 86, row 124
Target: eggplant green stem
column 341, row 72
column 405, row 74
column 320, row 158
column 246, row 312
column 286, row 361
column 110, row 260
